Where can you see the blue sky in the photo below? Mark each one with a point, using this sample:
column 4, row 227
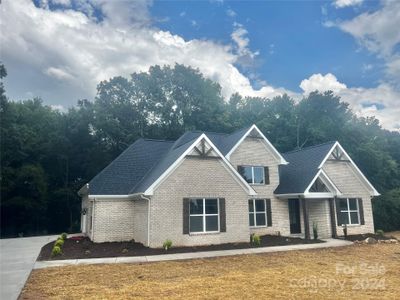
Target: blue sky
column 60, row 50
column 290, row 35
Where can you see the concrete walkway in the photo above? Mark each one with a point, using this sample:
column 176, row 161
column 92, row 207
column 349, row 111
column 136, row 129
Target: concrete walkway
column 192, row 255
column 17, row 259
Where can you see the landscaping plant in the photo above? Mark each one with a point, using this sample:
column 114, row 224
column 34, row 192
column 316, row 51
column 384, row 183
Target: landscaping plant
column 255, row 240
column 167, row 245
column 59, row 243
column 380, row 232
column 64, row 236
column 315, row 230
column 56, row 251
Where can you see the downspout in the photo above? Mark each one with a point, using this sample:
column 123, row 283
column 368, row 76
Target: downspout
column 148, row 217
column 93, row 216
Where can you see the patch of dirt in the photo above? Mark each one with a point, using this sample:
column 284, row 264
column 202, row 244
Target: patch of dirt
column 84, row 248
column 362, row 237
column 351, row 272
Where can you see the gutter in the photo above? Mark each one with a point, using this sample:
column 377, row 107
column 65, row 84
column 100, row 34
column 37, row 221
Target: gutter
column 148, row 218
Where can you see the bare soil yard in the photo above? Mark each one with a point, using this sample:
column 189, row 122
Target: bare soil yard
column 353, row 272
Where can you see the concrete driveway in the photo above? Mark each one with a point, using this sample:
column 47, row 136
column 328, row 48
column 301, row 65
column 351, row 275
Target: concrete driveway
column 17, row 259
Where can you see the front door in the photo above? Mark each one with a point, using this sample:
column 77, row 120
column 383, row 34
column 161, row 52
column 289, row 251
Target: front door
column 294, row 216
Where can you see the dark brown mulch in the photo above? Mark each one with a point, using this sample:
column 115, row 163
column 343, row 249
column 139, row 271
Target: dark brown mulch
column 362, row 237
column 74, row 249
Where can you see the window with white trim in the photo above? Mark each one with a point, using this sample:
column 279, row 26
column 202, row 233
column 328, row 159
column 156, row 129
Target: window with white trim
column 257, row 212
column 349, row 211
column 253, row 174
column 204, row 215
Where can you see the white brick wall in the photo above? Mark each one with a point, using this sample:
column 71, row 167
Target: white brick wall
column 319, row 213
column 252, row 151
column 113, row 220
column 197, row 177
column 140, row 221
column 342, row 174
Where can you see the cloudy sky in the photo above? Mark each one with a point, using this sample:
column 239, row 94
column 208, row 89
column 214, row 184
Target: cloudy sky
column 60, row 49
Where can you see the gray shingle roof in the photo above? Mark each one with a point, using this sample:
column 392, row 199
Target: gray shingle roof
column 295, row 177
column 142, row 163
column 129, row 168
column 146, row 160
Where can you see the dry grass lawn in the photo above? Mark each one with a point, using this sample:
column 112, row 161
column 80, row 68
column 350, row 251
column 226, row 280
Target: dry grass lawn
column 353, row 272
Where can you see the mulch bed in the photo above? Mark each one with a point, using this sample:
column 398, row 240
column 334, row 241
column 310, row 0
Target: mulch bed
column 362, row 237
column 75, row 248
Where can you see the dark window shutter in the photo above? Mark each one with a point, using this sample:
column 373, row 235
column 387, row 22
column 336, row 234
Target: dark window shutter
column 186, row 207
column 222, row 215
column 361, row 210
column 266, row 175
column 269, row 213
column 240, row 170
column 337, row 204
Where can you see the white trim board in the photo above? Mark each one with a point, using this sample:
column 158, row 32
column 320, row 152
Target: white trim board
column 275, row 152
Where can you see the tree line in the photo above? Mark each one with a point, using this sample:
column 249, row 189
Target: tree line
column 47, row 155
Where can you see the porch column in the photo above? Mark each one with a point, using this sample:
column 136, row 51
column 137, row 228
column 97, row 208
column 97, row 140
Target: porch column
column 304, row 203
column 332, row 216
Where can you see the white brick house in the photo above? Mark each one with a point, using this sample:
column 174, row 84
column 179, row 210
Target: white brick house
column 209, row 188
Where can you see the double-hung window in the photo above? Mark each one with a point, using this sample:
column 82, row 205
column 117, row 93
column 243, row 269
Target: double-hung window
column 204, row 215
column 349, row 212
column 254, row 174
column 257, row 212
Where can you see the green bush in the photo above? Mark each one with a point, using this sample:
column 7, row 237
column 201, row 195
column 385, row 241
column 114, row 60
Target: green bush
column 59, row 243
column 56, row 251
column 64, row 236
column 315, row 230
column 167, row 244
column 255, row 240
column 380, row 232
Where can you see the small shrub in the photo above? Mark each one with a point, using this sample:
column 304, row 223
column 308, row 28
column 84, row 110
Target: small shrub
column 87, row 252
column 167, row 245
column 380, row 232
column 59, row 243
column 56, row 251
column 255, row 240
column 124, row 250
column 345, row 231
column 64, row 236
column 315, row 230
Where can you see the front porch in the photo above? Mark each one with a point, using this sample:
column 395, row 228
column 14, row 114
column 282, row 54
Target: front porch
column 304, row 213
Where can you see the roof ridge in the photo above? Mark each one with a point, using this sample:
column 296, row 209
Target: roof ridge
column 310, row 147
column 158, row 140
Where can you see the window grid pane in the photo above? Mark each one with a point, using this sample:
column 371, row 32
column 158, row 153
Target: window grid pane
column 258, row 175
column 257, row 212
column 204, row 215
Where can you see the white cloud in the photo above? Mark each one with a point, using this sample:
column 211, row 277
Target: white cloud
column 62, row 55
column 246, row 56
column 58, row 73
column 377, row 31
column 321, row 83
column 231, row 13
column 345, row 3
column 363, row 101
